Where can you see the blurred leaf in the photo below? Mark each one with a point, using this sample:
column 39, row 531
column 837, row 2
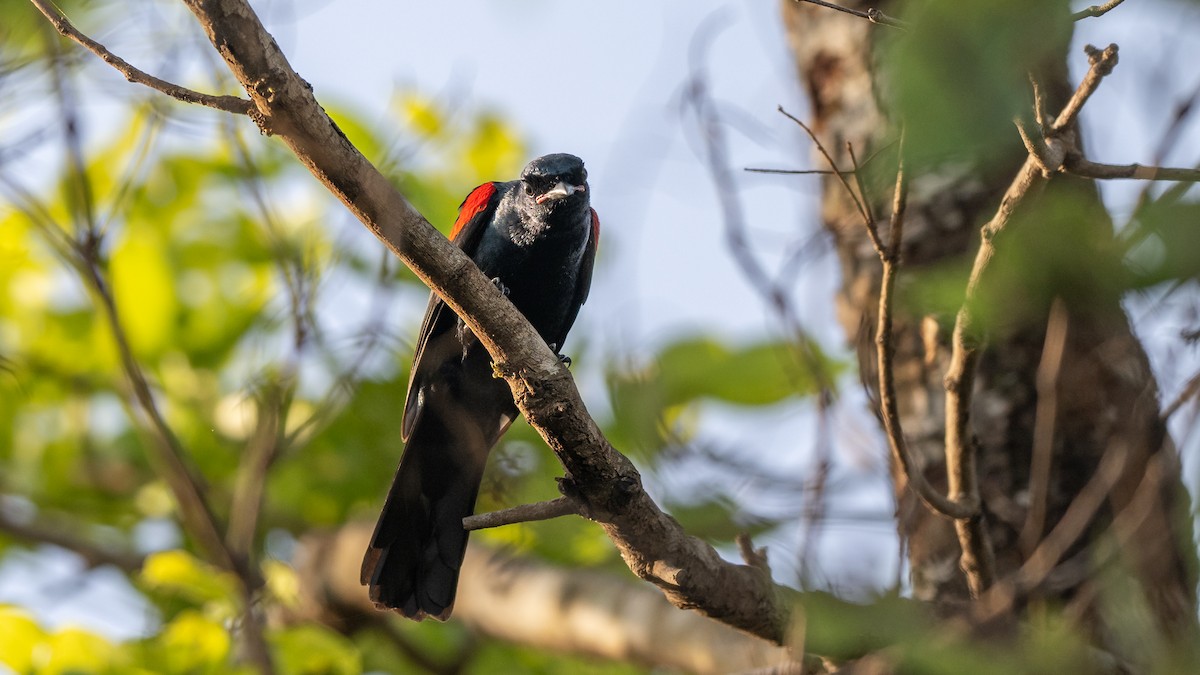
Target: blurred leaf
column 283, row 584
column 1169, row 246
column 193, row 643
column 714, row 521
column 72, row 650
column 958, row 76
column 357, row 131
column 143, row 289
column 494, row 151
column 179, row 573
column 313, row 649
column 422, row 114
column 653, row 401
column 22, row 635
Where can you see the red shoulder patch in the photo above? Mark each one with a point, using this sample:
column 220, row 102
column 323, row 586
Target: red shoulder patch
column 471, row 206
column 595, row 230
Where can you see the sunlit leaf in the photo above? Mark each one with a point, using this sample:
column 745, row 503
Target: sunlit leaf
column 282, row 582
column 192, row 642
column 421, row 114
column 22, row 635
column 178, row 572
column 73, row 650
column 144, row 290
column 494, row 151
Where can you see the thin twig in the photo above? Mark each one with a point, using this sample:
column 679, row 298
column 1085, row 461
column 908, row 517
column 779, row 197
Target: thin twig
column 754, row 557
column 170, row 457
column 841, row 175
column 790, row 172
column 1089, row 169
column 261, row 451
column 525, row 513
column 93, row 554
column 1073, row 523
column 873, row 15
column 872, row 228
column 1044, row 425
column 231, row 104
column 885, row 350
column 716, row 159
column 1102, row 63
column 1189, row 391
column 1096, row 10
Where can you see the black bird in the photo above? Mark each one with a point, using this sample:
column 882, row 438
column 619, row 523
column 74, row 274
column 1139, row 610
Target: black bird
column 536, row 238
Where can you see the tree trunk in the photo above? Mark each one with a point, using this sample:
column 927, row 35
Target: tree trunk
column 1104, row 391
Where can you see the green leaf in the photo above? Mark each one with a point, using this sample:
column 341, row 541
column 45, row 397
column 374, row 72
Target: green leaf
column 958, row 75
column 1169, row 243
column 314, row 649
column 73, row 650
column 193, row 643
column 179, row 573
column 144, row 290
column 655, row 401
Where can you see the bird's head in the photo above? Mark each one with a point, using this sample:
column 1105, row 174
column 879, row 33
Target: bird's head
column 555, row 182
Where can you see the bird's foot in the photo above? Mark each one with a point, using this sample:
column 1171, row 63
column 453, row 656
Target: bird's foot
column 500, row 286
column 562, row 358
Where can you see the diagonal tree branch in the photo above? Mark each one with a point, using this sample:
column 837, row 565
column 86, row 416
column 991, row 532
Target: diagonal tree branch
column 688, row 570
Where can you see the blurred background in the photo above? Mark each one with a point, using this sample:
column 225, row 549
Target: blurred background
column 247, row 295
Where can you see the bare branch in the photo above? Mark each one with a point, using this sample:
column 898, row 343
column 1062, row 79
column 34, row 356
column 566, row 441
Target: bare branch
column 1096, row 10
column 1044, row 424
column 261, row 451
column 93, row 554
column 791, row 172
column 1189, row 391
column 525, row 513
column 1102, row 63
column 841, row 175
column 873, row 15
column 231, row 104
column 1088, row 169
column 967, row 340
column 885, row 350
column 869, row 220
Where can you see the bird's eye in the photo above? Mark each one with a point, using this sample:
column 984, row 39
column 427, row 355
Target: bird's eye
column 528, row 189
column 585, row 175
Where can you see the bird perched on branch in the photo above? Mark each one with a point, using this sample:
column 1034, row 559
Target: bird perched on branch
column 536, row 239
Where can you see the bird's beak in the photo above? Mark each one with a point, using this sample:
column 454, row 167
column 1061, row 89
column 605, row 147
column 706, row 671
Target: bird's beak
column 562, row 189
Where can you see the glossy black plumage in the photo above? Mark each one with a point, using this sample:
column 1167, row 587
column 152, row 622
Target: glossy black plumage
column 537, row 237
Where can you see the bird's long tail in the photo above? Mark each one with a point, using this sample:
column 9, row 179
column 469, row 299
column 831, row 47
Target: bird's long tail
column 413, row 560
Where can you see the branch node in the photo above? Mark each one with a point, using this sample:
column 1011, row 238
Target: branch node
column 754, row 557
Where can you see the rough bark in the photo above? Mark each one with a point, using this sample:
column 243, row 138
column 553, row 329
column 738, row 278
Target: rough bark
column 1106, row 395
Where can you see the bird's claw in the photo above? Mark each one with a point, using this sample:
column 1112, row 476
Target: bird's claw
column 562, row 358
column 500, row 286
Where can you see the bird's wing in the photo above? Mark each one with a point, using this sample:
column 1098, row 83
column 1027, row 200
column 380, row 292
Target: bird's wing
column 474, row 214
